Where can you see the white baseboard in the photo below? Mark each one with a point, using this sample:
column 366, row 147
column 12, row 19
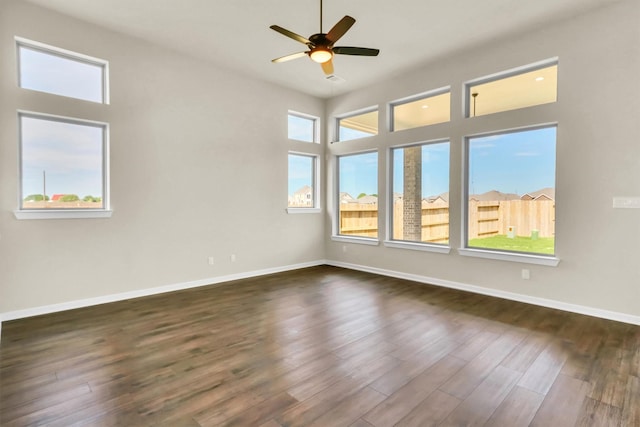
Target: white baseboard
column 573, row 308
column 71, row 305
column 590, row 311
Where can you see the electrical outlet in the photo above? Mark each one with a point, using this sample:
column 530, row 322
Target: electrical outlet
column 233, row 257
column 526, row 274
column 210, row 260
column 344, row 248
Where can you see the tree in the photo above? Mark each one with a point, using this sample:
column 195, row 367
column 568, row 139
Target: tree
column 69, row 198
column 35, row 198
column 361, row 195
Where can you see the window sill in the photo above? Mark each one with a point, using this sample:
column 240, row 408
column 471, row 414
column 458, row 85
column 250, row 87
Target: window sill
column 303, row 210
column 359, row 240
column 62, row 214
column 508, row 256
column 415, row 246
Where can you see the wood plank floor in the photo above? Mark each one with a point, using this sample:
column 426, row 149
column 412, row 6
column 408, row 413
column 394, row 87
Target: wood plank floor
column 320, row 346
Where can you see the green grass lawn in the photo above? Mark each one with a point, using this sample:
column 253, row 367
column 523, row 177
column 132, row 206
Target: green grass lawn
column 542, row 245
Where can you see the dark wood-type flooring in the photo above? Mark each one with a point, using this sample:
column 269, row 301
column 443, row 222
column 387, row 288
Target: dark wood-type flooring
column 320, row 346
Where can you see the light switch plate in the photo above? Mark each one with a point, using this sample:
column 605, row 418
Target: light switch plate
column 626, row 202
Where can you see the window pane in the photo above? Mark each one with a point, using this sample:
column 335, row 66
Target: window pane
column 302, row 128
column 301, row 181
column 422, row 112
column 61, row 164
column 522, row 90
column 511, row 191
column 421, row 193
column 60, row 75
column 358, row 188
column 358, row 126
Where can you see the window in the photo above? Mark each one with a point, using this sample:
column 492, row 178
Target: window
column 420, row 183
column 358, row 195
column 533, row 85
column 60, row 72
column 302, row 181
column 423, row 110
column 63, row 164
column 359, row 125
column 511, row 191
column 302, row 127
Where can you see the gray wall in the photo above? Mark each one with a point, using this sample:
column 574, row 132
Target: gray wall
column 198, row 169
column 598, row 157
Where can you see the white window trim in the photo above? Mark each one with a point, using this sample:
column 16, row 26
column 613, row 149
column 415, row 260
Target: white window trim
column 551, row 261
column 316, row 208
column 105, row 212
column 68, row 54
column 316, row 126
column 371, row 241
column 362, row 111
column 418, row 246
column 413, row 98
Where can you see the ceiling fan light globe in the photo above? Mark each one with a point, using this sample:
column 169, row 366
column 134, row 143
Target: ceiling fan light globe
column 321, row 55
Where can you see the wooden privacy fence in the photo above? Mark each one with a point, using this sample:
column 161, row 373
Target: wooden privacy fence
column 486, row 218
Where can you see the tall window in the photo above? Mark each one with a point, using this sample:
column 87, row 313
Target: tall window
column 511, row 191
column 62, row 163
column 358, row 195
column 358, row 125
column 60, row 72
column 533, row 85
column 420, row 182
column 302, row 127
column 302, row 181
column 422, row 110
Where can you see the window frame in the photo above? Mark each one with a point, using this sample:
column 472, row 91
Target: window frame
column 444, row 248
column 21, row 42
column 316, row 126
column 504, row 255
column 500, row 76
column 335, row 235
column 415, row 98
column 104, row 212
column 315, row 174
column 361, row 112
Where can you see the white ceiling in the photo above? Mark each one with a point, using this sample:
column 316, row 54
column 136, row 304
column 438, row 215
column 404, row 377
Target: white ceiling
column 236, row 33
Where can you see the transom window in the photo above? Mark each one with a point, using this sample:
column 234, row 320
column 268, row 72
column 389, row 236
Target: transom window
column 57, row 71
column 421, row 110
column 359, row 125
column 302, row 127
column 526, row 87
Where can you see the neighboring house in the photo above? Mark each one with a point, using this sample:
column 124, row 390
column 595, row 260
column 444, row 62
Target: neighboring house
column 544, row 194
column 56, row 197
column 367, row 200
column 346, row 198
column 493, row 195
column 302, row 197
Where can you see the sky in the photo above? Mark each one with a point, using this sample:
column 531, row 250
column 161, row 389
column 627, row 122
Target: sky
column 70, row 154
column 517, row 162
column 61, row 76
column 300, row 172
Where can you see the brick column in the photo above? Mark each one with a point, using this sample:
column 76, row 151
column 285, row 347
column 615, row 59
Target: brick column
column 412, row 194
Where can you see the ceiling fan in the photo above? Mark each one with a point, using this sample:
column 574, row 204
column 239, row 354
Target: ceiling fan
column 321, row 49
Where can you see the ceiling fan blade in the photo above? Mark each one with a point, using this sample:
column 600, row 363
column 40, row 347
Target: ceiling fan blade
column 290, row 57
column 340, row 28
column 327, row 67
column 291, row 35
column 361, row 51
